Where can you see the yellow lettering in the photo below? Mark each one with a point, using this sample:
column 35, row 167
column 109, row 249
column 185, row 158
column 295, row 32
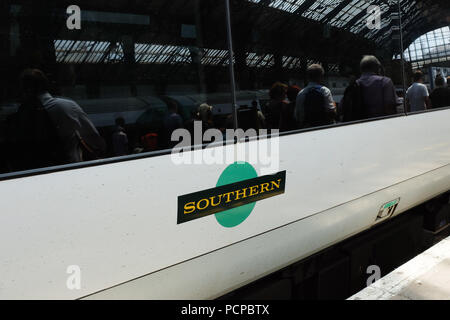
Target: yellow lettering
column 204, row 207
column 228, row 196
column 241, row 193
column 264, row 187
column 276, row 184
column 189, row 207
column 253, row 191
column 215, row 204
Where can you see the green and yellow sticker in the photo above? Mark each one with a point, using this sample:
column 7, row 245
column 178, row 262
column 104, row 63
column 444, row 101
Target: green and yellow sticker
column 234, row 197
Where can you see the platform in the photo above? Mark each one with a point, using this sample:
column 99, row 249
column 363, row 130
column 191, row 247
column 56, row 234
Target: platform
column 426, row 277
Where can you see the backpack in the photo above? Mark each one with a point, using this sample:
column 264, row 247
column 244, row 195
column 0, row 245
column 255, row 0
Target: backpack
column 315, row 110
column 352, row 103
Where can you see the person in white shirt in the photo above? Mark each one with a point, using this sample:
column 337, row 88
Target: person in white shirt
column 417, row 96
column 75, row 130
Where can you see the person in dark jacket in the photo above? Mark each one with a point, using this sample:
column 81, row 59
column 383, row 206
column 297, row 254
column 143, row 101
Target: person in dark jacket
column 275, row 105
column 440, row 97
column 287, row 118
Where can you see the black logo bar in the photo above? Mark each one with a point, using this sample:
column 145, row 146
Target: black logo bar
column 204, row 203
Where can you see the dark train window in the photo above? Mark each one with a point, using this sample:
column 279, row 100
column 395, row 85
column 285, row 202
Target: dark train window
column 87, row 80
column 302, row 60
column 97, row 79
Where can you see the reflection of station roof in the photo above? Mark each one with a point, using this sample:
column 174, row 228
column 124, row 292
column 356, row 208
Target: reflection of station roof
column 352, row 15
column 266, row 23
column 432, row 48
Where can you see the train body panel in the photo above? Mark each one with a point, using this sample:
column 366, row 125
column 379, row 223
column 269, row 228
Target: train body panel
column 118, row 221
column 212, row 275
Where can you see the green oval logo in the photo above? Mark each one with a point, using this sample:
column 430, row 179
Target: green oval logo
column 236, row 172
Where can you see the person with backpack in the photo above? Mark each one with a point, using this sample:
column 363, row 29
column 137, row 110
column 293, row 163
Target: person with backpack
column 370, row 96
column 315, row 105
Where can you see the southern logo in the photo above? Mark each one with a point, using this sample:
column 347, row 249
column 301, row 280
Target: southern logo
column 233, row 198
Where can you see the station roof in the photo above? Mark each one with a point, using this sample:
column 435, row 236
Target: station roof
column 419, row 16
column 272, row 18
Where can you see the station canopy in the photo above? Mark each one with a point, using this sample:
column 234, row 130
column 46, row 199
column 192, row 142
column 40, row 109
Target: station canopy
column 344, row 20
column 418, row 17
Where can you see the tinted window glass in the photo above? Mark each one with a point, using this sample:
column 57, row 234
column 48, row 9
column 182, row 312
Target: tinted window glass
column 96, row 79
column 315, row 48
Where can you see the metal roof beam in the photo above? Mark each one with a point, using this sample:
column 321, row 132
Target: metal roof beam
column 304, row 6
column 335, row 11
column 265, row 2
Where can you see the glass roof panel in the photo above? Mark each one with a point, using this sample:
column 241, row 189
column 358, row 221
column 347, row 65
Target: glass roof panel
column 320, row 9
column 286, row 5
column 256, row 60
column 71, row 51
column 433, row 46
column 353, row 10
column 350, row 11
column 159, row 54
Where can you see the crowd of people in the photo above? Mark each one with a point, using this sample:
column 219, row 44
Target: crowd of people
column 372, row 95
column 418, row 97
column 49, row 131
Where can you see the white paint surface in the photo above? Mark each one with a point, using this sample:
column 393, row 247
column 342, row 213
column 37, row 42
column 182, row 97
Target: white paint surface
column 118, row 221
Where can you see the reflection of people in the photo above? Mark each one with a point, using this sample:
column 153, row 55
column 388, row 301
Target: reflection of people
column 261, row 120
column 77, row 136
column 205, row 116
column 172, row 122
column 287, row 119
column 377, row 92
column 315, row 105
column 31, row 138
column 348, row 108
column 120, row 138
column 417, row 97
column 440, row 97
column 273, row 108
